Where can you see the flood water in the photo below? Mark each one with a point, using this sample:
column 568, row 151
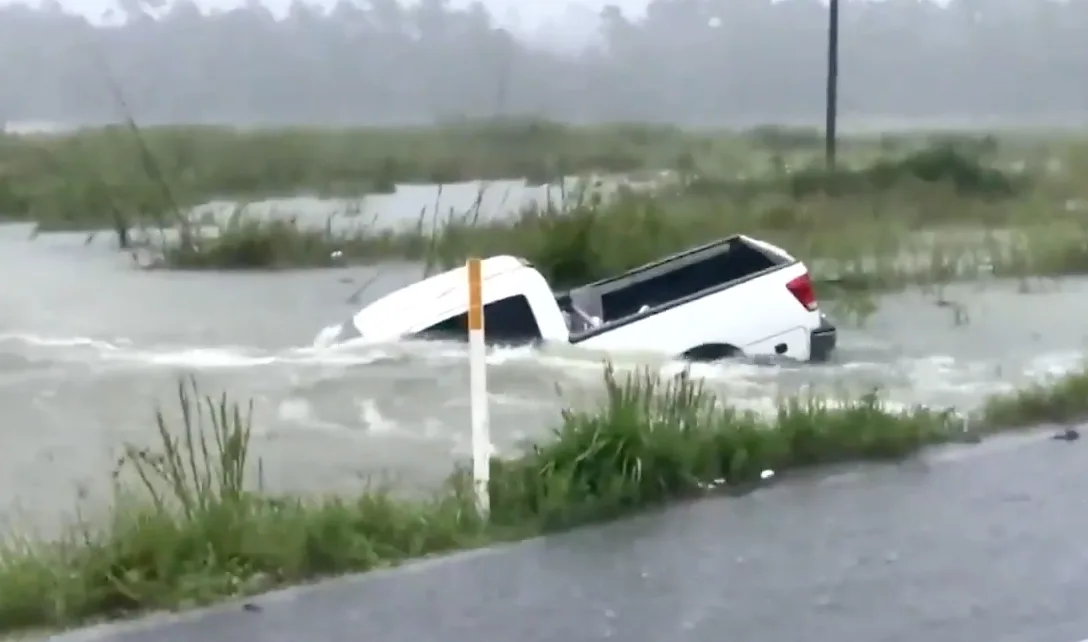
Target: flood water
column 410, row 203
column 89, row 346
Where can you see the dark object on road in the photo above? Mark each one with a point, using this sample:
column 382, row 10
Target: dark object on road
column 252, row 608
column 1069, row 434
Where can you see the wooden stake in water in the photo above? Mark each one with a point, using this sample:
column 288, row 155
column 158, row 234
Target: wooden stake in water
column 481, row 428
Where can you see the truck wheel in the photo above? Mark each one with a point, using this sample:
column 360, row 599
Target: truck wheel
column 712, row 352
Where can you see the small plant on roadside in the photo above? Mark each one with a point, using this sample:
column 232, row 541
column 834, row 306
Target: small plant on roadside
column 655, row 440
column 1062, row 400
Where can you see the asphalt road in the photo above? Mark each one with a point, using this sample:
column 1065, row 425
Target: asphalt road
column 980, row 544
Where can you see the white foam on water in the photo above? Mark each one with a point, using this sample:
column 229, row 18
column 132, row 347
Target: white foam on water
column 519, row 401
column 1056, row 365
column 748, row 384
column 499, row 356
column 326, row 336
column 34, row 340
column 300, row 412
column 121, row 351
column 202, row 358
column 506, row 400
column 373, row 419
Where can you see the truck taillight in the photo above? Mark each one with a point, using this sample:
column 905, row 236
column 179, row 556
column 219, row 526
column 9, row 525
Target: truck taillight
column 801, row 289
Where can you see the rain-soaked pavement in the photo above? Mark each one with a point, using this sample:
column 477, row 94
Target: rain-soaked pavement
column 982, row 543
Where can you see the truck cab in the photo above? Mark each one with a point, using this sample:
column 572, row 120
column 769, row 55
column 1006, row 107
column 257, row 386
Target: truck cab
column 519, row 308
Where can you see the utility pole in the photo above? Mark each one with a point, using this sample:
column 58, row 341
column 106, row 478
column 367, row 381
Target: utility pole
column 832, row 107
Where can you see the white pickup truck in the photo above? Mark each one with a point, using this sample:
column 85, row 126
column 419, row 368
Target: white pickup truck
column 735, row 296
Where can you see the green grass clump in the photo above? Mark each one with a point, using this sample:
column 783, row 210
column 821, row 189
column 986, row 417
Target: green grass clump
column 1064, row 399
column 967, row 173
column 658, row 440
column 861, row 243
column 199, row 527
column 249, row 242
column 934, row 216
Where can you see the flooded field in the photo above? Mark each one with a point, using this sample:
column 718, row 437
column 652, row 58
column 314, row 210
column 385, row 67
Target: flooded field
column 89, row 346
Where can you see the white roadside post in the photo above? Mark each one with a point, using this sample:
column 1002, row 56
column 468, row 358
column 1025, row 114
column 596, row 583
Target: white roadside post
column 477, row 355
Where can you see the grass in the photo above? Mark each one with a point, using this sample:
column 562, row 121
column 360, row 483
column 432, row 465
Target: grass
column 933, row 216
column 899, row 213
column 594, row 239
column 199, row 528
column 77, row 180
column 245, row 242
column 1060, row 401
column 73, row 180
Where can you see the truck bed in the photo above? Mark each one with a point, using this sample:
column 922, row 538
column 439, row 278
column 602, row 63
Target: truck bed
column 709, row 267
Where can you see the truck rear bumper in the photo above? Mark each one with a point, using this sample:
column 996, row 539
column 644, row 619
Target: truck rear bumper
column 823, row 341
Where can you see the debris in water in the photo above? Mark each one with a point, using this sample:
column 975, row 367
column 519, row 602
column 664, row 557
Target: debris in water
column 722, row 481
column 1069, row 434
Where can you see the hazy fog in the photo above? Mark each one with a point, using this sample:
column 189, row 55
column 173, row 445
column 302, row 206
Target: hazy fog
column 966, row 61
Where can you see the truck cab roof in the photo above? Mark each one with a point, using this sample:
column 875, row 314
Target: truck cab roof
column 439, row 300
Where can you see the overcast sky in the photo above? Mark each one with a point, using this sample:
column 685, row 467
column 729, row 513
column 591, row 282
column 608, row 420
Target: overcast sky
column 527, row 14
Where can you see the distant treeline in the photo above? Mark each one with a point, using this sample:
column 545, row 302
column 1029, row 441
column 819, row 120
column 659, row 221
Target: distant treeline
column 383, row 62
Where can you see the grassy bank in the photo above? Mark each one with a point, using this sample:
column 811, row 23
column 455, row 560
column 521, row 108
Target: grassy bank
column 860, row 222
column 244, row 242
column 84, row 179
column 854, row 244
column 74, row 180
column 898, row 212
column 77, row 180
column 199, row 529
column 937, row 214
